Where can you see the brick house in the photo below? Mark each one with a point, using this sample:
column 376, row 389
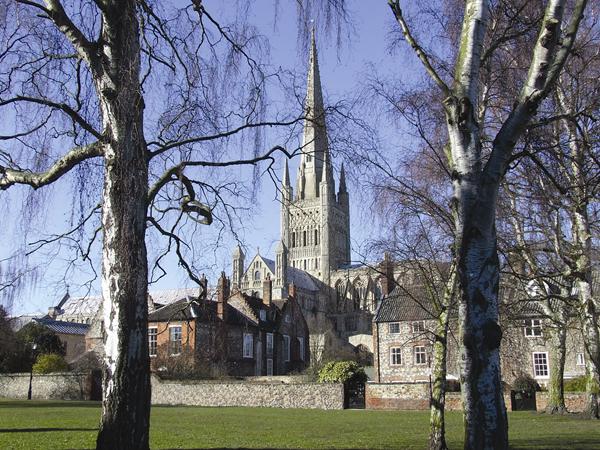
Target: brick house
column 237, row 334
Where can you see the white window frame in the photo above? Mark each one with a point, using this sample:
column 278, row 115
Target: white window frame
column 152, row 333
column 269, row 344
column 248, row 345
column 580, row 359
column 301, row 347
column 533, row 326
column 393, row 324
column 395, row 356
column 539, row 366
column 418, row 327
column 270, row 367
column 286, row 348
column 172, row 341
column 418, row 351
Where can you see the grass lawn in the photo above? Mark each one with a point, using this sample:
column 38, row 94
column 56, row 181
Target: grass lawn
column 53, row 424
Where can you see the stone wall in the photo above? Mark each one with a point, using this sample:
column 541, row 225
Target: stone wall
column 574, row 401
column 54, row 386
column 248, row 393
column 397, row 396
column 415, row 396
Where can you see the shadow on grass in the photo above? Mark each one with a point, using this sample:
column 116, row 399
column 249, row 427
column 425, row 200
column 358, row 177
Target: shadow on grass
column 554, row 443
column 48, row 404
column 40, row 430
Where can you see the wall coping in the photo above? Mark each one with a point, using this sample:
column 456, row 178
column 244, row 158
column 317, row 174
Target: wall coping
column 237, row 381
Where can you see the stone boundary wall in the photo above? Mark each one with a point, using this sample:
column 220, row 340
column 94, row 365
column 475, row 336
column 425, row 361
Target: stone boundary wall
column 271, row 394
column 415, row 396
column 53, row 386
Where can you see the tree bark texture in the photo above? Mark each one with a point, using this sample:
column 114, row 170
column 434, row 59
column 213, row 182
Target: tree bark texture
column 437, row 427
column 556, row 392
column 126, row 379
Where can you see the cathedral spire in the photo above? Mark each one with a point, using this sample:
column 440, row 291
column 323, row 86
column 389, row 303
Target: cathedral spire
column 343, row 188
column 314, row 142
column 286, row 174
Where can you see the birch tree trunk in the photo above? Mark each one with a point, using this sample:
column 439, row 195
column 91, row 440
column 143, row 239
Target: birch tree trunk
column 437, row 427
column 126, row 378
column 556, row 393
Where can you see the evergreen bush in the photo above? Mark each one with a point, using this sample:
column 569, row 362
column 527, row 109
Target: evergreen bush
column 50, row 362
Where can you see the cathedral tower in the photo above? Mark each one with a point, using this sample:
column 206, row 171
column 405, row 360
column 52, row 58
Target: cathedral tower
column 315, row 222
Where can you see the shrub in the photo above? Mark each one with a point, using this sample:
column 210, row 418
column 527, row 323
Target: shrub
column 50, row 362
column 524, row 383
column 452, row 386
column 575, row 384
column 347, row 372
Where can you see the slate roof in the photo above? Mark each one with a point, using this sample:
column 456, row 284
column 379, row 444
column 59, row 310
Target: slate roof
column 80, row 306
column 401, row 306
column 301, row 279
column 168, row 296
column 270, row 263
column 62, row 327
column 184, row 309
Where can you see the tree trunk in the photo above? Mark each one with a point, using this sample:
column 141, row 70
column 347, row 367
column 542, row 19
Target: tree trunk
column 126, row 379
column 486, row 425
column 556, row 393
column 437, row 425
column 592, row 346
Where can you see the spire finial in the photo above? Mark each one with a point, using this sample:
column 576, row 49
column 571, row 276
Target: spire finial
column 342, row 179
column 286, row 174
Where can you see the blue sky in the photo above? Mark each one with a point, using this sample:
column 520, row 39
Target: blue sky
column 343, row 70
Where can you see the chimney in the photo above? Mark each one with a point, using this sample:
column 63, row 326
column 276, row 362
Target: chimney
column 222, row 296
column 203, row 288
column 267, row 291
column 387, row 280
column 292, row 290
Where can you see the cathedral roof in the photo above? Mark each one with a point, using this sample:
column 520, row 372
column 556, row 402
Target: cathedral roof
column 301, row 279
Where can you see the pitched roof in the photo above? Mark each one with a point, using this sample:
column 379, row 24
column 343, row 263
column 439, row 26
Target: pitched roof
column 80, row 306
column 184, row 309
column 402, row 305
column 168, row 296
column 59, row 326
column 301, row 279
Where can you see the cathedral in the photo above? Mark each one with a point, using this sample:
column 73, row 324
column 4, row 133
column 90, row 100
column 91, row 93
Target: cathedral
column 313, row 251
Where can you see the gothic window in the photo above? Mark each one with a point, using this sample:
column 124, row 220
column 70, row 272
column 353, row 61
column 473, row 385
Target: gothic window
column 293, row 239
column 339, row 289
column 304, row 239
column 305, row 261
column 257, row 275
column 378, row 291
column 358, row 294
column 316, row 237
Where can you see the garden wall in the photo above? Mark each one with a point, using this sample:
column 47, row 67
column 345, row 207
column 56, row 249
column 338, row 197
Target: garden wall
column 274, row 393
column 54, row 386
column 416, row 396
